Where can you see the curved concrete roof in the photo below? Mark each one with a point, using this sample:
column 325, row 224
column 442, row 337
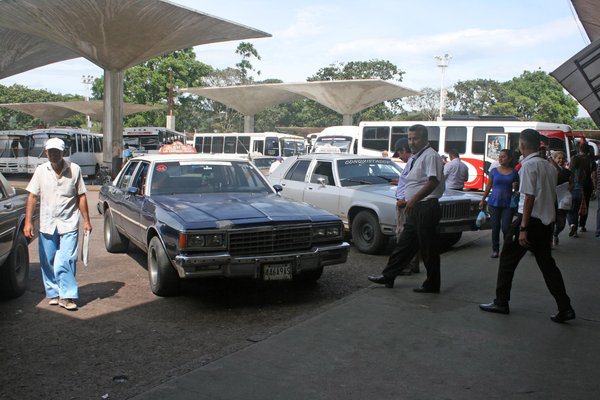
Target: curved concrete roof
column 51, row 112
column 114, row 34
column 247, row 99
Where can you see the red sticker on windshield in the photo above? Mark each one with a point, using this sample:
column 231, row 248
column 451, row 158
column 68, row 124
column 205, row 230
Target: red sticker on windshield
column 161, row 167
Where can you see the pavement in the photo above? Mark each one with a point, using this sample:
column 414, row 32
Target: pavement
column 393, row 343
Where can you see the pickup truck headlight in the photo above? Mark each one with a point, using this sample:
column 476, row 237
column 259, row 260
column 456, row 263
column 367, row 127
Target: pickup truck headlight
column 326, row 232
column 202, row 241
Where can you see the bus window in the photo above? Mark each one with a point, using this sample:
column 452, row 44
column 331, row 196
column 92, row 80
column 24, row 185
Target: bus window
column 229, row 145
column 398, row 132
column 478, row 142
column 271, row 146
column 217, row 144
column 456, row 138
column 84, row 144
column 207, row 144
column 76, row 144
column 433, row 135
column 376, row 137
column 198, row 144
column 243, row 144
column 98, row 145
column 259, row 146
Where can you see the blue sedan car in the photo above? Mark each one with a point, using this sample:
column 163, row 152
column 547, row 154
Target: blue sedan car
column 200, row 216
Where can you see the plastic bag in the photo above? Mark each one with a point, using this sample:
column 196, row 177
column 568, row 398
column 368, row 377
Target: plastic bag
column 481, row 218
column 514, row 200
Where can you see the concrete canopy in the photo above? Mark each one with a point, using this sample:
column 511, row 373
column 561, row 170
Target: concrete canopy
column 588, row 12
column 51, row 112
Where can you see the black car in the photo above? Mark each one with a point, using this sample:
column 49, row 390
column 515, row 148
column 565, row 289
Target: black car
column 200, row 216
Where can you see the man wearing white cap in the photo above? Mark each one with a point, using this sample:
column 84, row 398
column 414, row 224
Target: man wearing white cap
column 59, row 186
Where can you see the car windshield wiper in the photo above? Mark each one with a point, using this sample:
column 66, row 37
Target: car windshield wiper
column 362, row 182
column 384, row 177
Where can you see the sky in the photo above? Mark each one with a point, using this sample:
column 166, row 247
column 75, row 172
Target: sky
column 492, row 39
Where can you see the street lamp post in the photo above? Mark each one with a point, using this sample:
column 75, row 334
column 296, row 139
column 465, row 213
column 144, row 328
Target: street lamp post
column 443, row 64
column 87, row 80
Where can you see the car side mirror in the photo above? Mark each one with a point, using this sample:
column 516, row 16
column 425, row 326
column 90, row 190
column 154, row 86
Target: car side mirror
column 278, row 188
column 132, row 190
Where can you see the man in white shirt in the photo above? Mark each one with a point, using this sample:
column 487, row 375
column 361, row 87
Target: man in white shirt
column 424, row 186
column 456, row 172
column 275, row 164
column 532, row 231
column 59, row 186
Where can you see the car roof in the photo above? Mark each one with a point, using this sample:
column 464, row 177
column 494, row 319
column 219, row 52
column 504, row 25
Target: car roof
column 188, row 157
column 338, row 156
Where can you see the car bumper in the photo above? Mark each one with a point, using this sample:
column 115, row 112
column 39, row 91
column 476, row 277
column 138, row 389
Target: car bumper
column 463, row 225
column 223, row 264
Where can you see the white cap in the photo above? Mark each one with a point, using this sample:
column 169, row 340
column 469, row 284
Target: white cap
column 55, row 143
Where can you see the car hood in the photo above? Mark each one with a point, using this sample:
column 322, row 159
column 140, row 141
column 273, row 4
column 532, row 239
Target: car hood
column 390, row 191
column 220, row 210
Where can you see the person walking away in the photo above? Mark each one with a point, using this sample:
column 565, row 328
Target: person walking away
column 403, row 154
column 61, row 191
column 577, row 168
column 424, row 186
column 503, row 181
column 456, row 172
column 564, row 178
column 275, row 164
column 532, row 231
column 589, row 169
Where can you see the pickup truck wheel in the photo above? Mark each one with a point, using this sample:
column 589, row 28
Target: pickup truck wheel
column 366, row 233
column 164, row 280
column 448, row 240
column 312, row 275
column 15, row 271
column 114, row 241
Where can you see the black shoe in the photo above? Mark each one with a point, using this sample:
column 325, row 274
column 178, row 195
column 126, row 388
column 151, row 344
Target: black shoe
column 495, row 308
column 405, row 272
column 583, row 229
column 382, row 280
column 563, row 316
column 424, row 289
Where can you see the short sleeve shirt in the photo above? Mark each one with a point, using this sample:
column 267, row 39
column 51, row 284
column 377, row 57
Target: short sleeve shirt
column 425, row 165
column 538, row 178
column 401, row 188
column 58, row 194
column 456, row 174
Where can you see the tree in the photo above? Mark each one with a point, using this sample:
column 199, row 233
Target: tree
column 583, row 124
column 426, row 105
column 476, row 96
column 247, row 51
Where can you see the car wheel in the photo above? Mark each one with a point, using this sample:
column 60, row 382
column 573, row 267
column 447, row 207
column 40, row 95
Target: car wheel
column 366, row 233
column 312, row 275
column 15, row 271
column 164, row 280
column 114, row 241
column 448, row 240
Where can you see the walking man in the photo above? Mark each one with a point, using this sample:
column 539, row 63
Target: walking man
column 456, row 172
column 424, row 186
column 532, row 230
column 59, row 186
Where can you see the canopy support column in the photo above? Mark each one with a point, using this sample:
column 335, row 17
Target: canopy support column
column 112, row 126
column 347, row 119
column 248, row 123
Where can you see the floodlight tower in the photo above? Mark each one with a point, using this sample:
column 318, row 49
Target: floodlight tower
column 443, row 64
column 87, row 80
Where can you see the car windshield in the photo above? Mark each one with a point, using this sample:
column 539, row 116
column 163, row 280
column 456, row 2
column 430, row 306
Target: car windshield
column 263, row 162
column 341, row 142
column 181, row 177
column 367, row 171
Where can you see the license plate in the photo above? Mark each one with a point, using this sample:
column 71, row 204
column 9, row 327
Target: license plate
column 277, row 272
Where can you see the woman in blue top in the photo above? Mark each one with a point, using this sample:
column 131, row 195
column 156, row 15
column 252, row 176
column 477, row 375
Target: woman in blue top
column 503, row 182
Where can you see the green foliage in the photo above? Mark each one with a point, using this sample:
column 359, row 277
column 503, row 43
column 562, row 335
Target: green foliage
column 371, row 69
column 247, row 51
column 476, row 96
column 583, row 124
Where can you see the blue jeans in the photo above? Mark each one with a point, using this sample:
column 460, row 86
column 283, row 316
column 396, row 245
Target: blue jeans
column 500, row 218
column 58, row 257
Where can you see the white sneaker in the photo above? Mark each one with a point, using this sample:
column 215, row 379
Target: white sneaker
column 53, row 301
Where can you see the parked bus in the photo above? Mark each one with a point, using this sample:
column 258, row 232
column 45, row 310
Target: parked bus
column 81, row 147
column 248, row 144
column 150, row 139
column 345, row 138
column 14, row 148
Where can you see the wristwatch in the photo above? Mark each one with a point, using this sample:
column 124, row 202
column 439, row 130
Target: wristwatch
column 522, row 229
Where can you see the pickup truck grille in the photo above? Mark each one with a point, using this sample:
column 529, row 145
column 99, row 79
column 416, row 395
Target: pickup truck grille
column 273, row 239
column 456, row 210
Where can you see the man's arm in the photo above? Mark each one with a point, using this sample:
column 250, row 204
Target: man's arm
column 29, row 209
column 425, row 191
column 527, row 208
column 83, row 208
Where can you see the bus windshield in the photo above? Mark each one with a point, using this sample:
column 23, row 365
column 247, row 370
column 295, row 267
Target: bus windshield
column 38, row 141
column 341, row 142
column 142, row 142
column 13, row 146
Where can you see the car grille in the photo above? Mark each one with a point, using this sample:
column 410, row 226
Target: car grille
column 456, row 210
column 274, row 239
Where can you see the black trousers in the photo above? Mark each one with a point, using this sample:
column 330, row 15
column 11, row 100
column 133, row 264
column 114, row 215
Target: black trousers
column 420, row 233
column 539, row 236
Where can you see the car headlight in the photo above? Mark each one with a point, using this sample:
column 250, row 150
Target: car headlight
column 326, row 232
column 201, row 241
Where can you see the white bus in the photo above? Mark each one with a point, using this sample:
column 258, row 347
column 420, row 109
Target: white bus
column 82, row 147
column 14, row 147
column 150, row 139
column 345, row 138
column 248, row 144
column 476, row 140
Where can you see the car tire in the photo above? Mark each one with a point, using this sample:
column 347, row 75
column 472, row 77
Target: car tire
column 312, row 275
column 366, row 233
column 164, row 280
column 114, row 241
column 14, row 274
column 447, row 240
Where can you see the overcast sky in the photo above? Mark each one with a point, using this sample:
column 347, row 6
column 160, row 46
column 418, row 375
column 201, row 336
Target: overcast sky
column 495, row 39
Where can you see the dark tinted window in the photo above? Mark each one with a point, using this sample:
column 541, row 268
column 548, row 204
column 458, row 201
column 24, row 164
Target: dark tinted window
column 230, row 145
column 243, row 144
column 433, row 134
column 125, row 179
column 217, row 144
column 198, row 144
column 456, row 138
column 298, row 171
column 206, row 144
column 398, row 132
column 139, row 181
column 478, row 143
column 376, row 137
